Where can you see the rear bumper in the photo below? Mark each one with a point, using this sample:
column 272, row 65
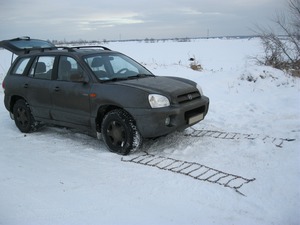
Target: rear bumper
column 158, row 122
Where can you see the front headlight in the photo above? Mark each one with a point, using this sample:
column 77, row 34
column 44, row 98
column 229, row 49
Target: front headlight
column 158, row 101
column 199, row 89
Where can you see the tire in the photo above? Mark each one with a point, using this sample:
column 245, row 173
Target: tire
column 120, row 133
column 23, row 117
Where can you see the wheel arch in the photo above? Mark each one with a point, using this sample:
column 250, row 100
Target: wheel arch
column 119, row 132
column 102, row 111
column 13, row 101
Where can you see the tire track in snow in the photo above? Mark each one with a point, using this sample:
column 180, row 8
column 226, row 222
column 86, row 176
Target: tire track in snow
column 191, row 169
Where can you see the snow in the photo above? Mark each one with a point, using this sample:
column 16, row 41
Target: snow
column 60, row 176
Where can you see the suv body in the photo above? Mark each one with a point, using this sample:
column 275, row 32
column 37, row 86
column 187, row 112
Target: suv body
column 99, row 90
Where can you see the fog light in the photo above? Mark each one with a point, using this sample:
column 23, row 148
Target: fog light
column 167, row 121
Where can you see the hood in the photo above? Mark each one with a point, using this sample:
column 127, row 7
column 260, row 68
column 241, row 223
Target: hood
column 168, row 86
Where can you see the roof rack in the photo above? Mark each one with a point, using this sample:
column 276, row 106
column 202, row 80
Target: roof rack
column 28, row 50
column 20, row 38
column 72, row 49
column 69, row 49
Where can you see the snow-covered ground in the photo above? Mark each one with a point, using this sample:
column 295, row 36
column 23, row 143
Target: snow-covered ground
column 58, row 176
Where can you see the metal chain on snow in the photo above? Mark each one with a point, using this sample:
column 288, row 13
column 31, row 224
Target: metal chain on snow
column 278, row 142
column 199, row 171
column 191, row 169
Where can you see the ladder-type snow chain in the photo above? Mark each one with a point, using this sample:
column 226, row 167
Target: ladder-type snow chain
column 199, row 171
column 278, row 142
column 191, row 169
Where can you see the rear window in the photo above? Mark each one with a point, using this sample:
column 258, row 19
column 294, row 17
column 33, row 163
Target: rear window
column 20, row 66
column 25, row 44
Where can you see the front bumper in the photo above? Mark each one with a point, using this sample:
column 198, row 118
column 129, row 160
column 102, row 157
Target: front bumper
column 158, row 122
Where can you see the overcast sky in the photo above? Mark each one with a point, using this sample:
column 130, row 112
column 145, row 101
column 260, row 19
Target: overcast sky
column 128, row 19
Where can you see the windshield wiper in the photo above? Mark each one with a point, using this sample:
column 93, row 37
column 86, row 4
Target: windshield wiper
column 128, row 78
column 141, row 76
column 115, row 79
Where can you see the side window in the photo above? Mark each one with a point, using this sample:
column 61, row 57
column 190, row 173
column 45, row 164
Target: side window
column 20, row 66
column 67, row 67
column 97, row 64
column 42, row 67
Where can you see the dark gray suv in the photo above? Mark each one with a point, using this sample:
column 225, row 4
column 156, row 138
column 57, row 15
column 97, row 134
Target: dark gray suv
column 95, row 89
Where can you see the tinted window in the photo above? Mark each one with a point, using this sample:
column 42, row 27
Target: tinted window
column 20, row 46
column 20, row 66
column 42, row 67
column 31, row 43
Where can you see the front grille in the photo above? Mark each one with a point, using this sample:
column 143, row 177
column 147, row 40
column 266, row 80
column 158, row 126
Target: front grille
column 188, row 97
column 194, row 112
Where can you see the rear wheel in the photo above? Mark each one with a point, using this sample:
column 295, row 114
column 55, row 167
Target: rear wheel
column 23, row 117
column 119, row 132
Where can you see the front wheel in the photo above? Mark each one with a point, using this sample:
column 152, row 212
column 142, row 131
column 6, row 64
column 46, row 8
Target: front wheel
column 119, row 132
column 23, row 117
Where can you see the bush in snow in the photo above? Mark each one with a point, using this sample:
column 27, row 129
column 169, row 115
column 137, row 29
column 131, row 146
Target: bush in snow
column 195, row 65
column 283, row 52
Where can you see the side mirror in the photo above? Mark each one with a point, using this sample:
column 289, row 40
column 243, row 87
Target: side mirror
column 79, row 78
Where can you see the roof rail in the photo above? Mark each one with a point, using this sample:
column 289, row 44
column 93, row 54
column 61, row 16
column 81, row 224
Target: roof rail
column 21, row 38
column 72, row 49
column 69, row 49
column 28, row 50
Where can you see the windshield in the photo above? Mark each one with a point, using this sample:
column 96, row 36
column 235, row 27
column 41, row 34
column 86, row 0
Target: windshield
column 115, row 66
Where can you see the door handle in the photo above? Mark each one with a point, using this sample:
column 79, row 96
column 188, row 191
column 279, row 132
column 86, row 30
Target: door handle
column 56, row 89
column 25, row 86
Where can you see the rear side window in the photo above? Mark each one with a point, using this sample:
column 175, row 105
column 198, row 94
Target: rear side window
column 20, row 66
column 42, row 67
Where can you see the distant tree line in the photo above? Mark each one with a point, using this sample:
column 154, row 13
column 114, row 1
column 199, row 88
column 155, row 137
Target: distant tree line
column 104, row 41
column 76, row 42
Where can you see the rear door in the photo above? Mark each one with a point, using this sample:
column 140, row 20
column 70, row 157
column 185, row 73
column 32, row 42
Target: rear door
column 70, row 100
column 38, row 86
